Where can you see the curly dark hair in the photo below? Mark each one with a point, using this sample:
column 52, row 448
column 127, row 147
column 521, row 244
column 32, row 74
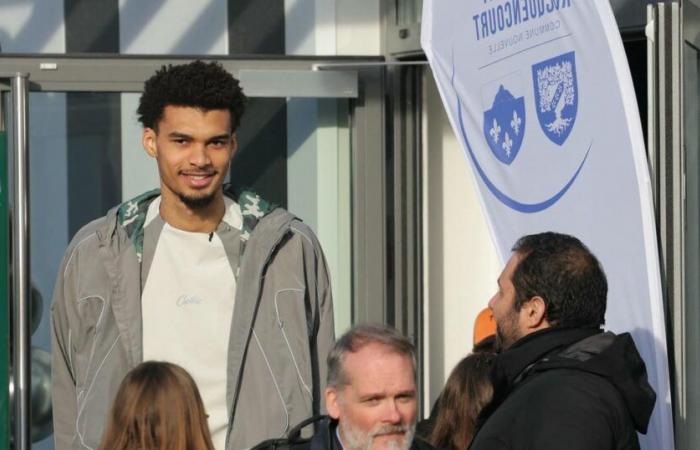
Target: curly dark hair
column 568, row 277
column 199, row 84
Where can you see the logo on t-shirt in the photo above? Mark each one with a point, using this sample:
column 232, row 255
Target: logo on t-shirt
column 187, row 299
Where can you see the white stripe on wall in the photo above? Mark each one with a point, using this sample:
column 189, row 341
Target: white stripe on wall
column 173, row 27
column 32, row 26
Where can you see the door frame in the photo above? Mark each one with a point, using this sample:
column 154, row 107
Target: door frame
column 360, row 80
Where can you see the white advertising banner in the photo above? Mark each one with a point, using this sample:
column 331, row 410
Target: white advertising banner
column 540, row 96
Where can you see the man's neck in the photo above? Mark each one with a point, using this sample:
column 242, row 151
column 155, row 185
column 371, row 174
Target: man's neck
column 201, row 220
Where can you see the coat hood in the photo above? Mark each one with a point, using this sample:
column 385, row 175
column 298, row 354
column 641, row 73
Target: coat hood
column 615, row 358
column 131, row 215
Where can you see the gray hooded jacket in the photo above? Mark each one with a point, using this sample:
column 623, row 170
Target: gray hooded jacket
column 281, row 329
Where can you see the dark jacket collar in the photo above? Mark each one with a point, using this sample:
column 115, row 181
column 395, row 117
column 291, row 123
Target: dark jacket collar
column 615, row 358
column 325, row 437
column 511, row 365
column 512, row 362
column 612, row 357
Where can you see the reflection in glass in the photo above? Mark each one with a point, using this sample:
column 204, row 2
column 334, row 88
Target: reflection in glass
column 85, row 156
column 408, row 12
column 691, row 142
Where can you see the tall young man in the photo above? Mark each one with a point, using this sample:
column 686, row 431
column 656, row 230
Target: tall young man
column 224, row 284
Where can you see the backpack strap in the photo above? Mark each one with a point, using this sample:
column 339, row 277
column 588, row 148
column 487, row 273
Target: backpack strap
column 293, row 439
column 295, row 433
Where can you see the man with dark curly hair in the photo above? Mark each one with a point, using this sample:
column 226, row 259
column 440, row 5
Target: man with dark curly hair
column 223, row 283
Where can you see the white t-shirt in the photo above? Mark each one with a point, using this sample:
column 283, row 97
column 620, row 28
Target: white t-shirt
column 187, row 307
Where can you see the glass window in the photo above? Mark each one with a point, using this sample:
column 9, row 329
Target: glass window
column 689, row 407
column 408, row 12
column 86, row 157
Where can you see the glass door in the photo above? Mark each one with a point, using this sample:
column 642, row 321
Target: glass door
column 295, row 149
column 4, row 283
column 674, row 154
column 688, row 435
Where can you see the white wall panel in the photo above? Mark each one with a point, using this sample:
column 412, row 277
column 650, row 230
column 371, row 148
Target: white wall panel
column 325, row 27
column 310, row 27
column 299, row 22
column 32, row 26
column 461, row 265
column 333, row 27
column 358, row 27
column 174, row 27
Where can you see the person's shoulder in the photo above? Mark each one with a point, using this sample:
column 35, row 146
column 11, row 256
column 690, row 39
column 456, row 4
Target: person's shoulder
column 563, row 395
column 560, row 383
column 88, row 235
column 302, row 230
column 420, row 444
column 296, row 226
column 267, row 219
column 128, row 216
column 490, row 443
column 555, row 401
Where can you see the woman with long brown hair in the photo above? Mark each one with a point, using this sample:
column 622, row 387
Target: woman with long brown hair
column 157, row 407
column 466, row 392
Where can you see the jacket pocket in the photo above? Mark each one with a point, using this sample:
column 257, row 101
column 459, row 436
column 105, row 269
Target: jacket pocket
column 291, row 323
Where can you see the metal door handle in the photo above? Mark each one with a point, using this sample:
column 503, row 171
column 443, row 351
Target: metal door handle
column 21, row 287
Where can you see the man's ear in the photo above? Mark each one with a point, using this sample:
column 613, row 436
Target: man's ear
column 148, row 140
column 535, row 313
column 332, row 402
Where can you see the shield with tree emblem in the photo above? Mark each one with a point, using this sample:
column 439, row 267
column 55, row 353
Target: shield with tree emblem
column 556, row 95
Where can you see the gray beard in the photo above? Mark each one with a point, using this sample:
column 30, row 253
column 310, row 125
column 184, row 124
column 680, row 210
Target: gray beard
column 360, row 440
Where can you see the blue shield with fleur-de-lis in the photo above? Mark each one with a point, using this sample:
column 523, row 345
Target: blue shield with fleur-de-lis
column 504, row 125
column 556, row 95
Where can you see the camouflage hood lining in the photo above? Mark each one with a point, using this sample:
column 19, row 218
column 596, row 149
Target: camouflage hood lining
column 131, row 215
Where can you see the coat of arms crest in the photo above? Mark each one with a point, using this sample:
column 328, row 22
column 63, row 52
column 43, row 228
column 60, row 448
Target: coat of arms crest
column 556, row 95
column 504, row 125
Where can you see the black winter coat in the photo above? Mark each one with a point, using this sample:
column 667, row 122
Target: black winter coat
column 567, row 389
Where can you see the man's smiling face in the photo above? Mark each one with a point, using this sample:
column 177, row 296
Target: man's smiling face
column 193, row 149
